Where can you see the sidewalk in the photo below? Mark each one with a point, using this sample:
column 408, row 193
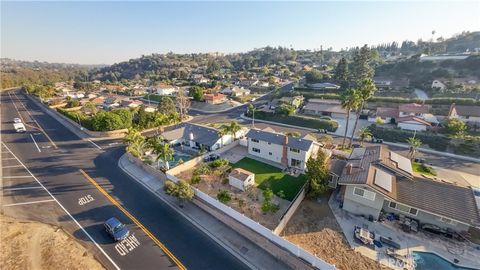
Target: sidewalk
column 246, row 245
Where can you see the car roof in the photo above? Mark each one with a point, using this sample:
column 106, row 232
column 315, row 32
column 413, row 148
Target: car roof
column 112, row 222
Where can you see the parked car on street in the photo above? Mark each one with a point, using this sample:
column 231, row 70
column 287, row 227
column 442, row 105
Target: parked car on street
column 19, row 127
column 116, row 229
column 17, row 120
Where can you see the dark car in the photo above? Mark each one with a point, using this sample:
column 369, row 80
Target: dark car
column 116, row 229
column 377, row 140
column 211, row 157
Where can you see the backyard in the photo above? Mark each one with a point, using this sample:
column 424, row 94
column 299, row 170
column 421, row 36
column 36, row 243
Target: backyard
column 267, row 176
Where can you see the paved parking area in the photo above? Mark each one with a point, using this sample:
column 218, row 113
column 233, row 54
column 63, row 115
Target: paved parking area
column 235, row 154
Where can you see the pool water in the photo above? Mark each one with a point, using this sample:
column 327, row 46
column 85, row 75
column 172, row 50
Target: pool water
column 177, row 156
column 431, row 261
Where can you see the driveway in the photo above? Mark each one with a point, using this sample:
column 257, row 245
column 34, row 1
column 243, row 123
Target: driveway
column 342, row 123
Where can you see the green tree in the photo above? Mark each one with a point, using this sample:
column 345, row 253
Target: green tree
column 313, row 76
column 132, row 135
column 164, row 153
column 349, row 101
column 89, row 107
column 455, row 126
column 166, row 106
column 364, row 134
column 360, row 67
column 224, row 196
column 341, row 73
column 233, row 128
column 222, row 131
column 285, row 109
column 106, row 121
column 366, row 90
column 267, row 205
column 197, row 93
column 126, row 117
column 136, row 144
column 414, row 144
column 181, row 190
column 317, row 175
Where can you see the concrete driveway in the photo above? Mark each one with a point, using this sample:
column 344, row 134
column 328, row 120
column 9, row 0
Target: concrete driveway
column 342, row 123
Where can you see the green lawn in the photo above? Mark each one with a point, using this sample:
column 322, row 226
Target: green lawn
column 269, row 176
column 421, row 168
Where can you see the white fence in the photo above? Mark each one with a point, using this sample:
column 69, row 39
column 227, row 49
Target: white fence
column 257, row 227
column 290, row 211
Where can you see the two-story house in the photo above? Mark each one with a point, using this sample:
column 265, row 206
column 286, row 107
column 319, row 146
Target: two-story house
column 376, row 179
column 410, row 116
column 285, row 150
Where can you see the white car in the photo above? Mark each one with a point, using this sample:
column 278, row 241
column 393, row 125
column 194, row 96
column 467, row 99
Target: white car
column 19, row 127
column 17, row 120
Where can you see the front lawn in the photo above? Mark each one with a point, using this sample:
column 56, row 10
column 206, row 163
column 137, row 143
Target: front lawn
column 423, row 169
column 272, row 177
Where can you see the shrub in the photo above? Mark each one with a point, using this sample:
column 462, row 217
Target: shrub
column 170, row 187
column 224, row 196
column 203, row 169
column 196, row 178
column 77, row 116
column 219, row 163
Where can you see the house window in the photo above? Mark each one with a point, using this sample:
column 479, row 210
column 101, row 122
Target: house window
column 403, row 208
column 294, row 150
column 256, row 150
column 295, row 162
column 254, row 140
column 269, row 153
column 447, row 220
column 369, row 195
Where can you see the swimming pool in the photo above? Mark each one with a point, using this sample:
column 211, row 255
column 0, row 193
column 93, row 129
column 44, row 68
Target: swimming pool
column 179, row 156
column 431, row 261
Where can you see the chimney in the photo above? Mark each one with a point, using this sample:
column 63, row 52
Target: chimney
column 191, row 136
column 284, row 160
column 285, row 140
column 349, row 168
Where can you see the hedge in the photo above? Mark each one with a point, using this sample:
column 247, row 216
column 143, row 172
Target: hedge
column 77, row 116
column 298, row 121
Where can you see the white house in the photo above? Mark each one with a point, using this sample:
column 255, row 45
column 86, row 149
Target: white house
column 412, row 123
column 285, row 150
column 241, row 179
column 436, row 84
column 235, row 91
column 166, row 90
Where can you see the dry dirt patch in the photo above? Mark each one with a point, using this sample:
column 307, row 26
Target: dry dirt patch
column 314, row 228
column 33, row 245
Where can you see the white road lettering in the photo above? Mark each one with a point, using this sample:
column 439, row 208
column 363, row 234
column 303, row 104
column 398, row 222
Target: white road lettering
column 127, row 245
column 85, row 199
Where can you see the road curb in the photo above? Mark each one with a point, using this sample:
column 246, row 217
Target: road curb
column 192, row 221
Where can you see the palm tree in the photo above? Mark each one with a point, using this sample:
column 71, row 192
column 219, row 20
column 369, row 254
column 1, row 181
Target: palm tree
column 132, row 135
column 366, row 90
column 224, row 130
column 233, row 128
column 414, row 143
column 349, row 101
column 364, row 134
column 164, row 153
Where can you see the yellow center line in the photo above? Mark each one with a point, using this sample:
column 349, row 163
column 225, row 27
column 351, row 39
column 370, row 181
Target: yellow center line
column 39, row 127
column 144, row 229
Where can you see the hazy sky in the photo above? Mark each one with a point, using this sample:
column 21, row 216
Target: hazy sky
column 108, row 32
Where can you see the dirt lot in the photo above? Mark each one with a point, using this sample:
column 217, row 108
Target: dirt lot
column 314, row 228
column 33, row 245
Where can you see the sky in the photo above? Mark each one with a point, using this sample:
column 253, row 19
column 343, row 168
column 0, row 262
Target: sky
column 110, row 32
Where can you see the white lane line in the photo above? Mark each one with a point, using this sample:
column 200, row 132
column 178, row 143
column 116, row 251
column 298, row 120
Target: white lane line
column 38, row 148
column 20, row 188
column 25, row 203
column 13, row 166
column 68, row 213
column 8, row 158
column 96, row 145
column 16, row 176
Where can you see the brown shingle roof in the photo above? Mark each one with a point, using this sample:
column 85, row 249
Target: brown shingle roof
column 413, row 108
column 387, row 112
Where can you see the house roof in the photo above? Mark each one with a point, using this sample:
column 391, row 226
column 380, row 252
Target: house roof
column 240, row 174
column 387, row 112
column 465, row 110
column 201, row 134
column 413, row 108
column 413, row 118
column 330, row 107
column 278, row 138
column 449, row 200
column 214, row 96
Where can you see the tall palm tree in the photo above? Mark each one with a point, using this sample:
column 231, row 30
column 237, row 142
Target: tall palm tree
column 366, row 90
column 164, row 153
column 224, row 130
column 132, row 135
column 234, row 127
column 364, row 134
column 414, row 143
column 349, row 101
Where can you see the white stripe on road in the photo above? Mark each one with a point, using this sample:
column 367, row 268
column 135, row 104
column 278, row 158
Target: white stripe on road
column 96, row 145
column 25, row 203
column 13, row 166
column 68, row 213
column 38, row 148
column 16, row 176
column 8, row 158
column 20, row 188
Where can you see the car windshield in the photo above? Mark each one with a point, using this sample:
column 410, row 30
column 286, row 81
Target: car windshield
column 118, row 227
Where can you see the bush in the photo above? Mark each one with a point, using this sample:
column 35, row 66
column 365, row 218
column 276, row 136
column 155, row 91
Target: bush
column 170, row 187
column 77, row 116
column 195, row 179
column 219, row 163
column 203, row 169
column 224, row 196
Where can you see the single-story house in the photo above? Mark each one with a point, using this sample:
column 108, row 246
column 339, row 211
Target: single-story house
column 324, row 86
column 468, row 114
column 235, row 91
column 165, row 90
column 325, row 107
column 376, row 179
column 216, row 98
column 279, row 148
column 241, row 179
column 198, row 136
column 412, row 123
column 387, row 114
column 130, row 103
column 295, row 100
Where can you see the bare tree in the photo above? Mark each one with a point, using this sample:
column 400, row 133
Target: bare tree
column 183, row 103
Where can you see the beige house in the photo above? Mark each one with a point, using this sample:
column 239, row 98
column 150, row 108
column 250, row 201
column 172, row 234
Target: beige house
column 325, row 107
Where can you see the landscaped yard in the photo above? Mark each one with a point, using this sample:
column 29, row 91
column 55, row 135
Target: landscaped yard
column 272, row 177
column 423, row 169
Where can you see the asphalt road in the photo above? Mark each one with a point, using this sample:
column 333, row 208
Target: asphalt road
column 55, row 156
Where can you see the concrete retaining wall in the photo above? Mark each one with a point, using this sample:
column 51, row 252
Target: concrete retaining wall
column 151, row 170
column 290, row 211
